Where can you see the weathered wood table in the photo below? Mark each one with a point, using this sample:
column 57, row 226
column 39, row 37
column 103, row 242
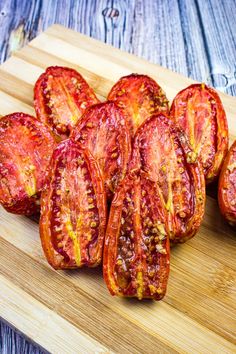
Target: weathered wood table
column 193, row 37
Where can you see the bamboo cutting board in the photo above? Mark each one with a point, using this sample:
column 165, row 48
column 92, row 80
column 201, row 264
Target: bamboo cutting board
column 72, row 311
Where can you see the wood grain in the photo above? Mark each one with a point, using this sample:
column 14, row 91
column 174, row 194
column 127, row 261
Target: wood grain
column 193, row 37
column 198, row 314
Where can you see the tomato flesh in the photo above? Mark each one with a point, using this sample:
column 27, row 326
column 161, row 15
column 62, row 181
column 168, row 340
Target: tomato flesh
column 199, row 112
column 163, row 152
column 103, row 130
column 61, row 95
column 25, row 151
column 139, row 97
column 136, row 251
column 73, row 214
column 227, row 187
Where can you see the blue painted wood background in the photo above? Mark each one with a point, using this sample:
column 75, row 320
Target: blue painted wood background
column 196, row 38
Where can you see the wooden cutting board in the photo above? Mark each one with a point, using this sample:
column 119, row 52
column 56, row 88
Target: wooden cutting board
column 72, row 311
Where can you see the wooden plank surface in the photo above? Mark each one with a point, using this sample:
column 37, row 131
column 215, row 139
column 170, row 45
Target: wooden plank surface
column 198, row 314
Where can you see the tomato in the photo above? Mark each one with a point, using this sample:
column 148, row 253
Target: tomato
column 164, row 153
column 199, row 112
column 73, row 209
column 139, row 96
column 227, row 187
column 136, row 249
column 61, row 96
column 25, row 151
column 103, row 130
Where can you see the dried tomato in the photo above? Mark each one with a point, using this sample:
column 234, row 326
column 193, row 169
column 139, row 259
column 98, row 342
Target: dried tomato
column 26, row 146
column 227, row 186
column 103, row 130
column 61, row 96
column 73, row 209
column 199, row 112
column 139, row 96
column 162, row 150
column 136, row 249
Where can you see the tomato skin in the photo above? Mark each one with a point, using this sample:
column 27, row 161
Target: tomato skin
column 139, row 96
column 162, row 150
column 136, row 248
column 103, row 130
column 227, row 187
column 61, row 95
column 26, row 147
column 73, row 209
column 198, row 110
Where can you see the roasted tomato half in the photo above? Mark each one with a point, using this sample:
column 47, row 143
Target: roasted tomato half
column 139, row 96
column 199, row 112
column 61, row 96
column 104, row 132
column 26, row 146
column 136, row 249
column 227, row 187
column 73, row 209
column 164, row 153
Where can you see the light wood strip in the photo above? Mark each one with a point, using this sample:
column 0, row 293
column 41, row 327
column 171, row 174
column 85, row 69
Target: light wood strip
column 42, row 325
column 186, row 272
column 17, row 67
column 9, row 104
column 16, row 87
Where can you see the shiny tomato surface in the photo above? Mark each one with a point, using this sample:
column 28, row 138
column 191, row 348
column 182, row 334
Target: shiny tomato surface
column 26, row 147
column 139, row 97
column 199, row 112
column 103, row 131
column 73, row 209
column 162, row 150
column 227, row 187
column 61, row 95
column 136, row 249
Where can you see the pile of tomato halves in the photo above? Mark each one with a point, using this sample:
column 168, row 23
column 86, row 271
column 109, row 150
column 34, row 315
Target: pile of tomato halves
column 116, row 182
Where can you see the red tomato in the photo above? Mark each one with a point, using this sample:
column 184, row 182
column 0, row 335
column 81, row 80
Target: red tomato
column 103, row 131
column 199, row 112
column 26, row 146
column 162, row 150
column 227, row 187
column 139, row 96
column 73, row 209
column 61, row 96
column 136, row 249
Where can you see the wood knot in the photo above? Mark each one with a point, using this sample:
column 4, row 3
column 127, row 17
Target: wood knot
column 110, row 12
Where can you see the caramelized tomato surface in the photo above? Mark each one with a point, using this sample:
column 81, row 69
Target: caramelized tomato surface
column 26, row 147
column 61, row 95
column 139, row 97
column 73, row 209
column 104, row 132
column 199, row 112
column 227, row 187
column 164, row 153
column 136, row 250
